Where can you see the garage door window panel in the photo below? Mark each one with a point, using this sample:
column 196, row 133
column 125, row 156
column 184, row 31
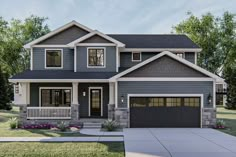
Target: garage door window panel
column 173, row 102
column 192, row 102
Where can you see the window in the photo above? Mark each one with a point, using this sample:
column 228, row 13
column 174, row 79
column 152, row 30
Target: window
column 96, row 57
column 158, row 102
column 17, row 91
column 55, row 97
column 192, row 102
column 53, row 59
column 138, row 102
column 136, row 56
column 173, row 102
column 181, row 55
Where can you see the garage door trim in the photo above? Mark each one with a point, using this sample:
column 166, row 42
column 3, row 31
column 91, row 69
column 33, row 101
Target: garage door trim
column 168, row 95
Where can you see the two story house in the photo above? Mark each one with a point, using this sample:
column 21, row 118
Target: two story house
column 146, row 80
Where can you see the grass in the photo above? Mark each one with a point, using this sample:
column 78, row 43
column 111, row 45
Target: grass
column 68, row 149
column 229, row 116
column 6, row 132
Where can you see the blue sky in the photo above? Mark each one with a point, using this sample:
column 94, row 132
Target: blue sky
column 115, row 16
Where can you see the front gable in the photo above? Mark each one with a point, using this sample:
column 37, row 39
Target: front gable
column 96, row 39
column 165, row 66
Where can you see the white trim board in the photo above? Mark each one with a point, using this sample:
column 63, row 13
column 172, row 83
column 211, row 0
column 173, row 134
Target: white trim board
column 49, row 46
column 40, row 88
column 95, row 44
column 104, row 57
column 60, row 29
column 170, row 95
column 123, row 50
column 57, row 80
column 165, row 79
column 101, row 88
column 87, row 36
column 167, row 53
column 45, row 59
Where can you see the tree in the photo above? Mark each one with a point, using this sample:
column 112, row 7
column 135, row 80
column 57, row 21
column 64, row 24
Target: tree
column 4, row 93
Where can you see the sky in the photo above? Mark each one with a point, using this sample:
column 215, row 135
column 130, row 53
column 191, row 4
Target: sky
column 116, row 16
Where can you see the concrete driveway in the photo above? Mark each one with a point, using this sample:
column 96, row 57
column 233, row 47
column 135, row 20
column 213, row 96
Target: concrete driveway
column 178, row 142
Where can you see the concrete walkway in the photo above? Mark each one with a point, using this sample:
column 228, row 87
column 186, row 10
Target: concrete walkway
column 61, row 139
column 98, row 132
column 178, row 142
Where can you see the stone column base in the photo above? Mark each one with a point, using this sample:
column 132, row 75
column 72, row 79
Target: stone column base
column 111, row 111
column 208, row 117
column 74, row 113
column 23, row 114
column 122, row 116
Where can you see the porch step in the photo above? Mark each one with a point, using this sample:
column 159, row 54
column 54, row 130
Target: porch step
column 92, row 125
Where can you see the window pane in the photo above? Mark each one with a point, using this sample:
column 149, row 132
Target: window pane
column 173, row 102
column 192, row 102
column 138, row 102
column 67, row 97
column 53, row 58
column 45, row 97
column 96, row 57
column 158, row 102
column 136, row 56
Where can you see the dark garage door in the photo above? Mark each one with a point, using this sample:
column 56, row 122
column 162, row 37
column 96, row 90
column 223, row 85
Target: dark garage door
column 164, row 112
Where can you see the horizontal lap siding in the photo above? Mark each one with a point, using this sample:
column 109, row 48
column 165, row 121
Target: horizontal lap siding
column 190, row 56
column 164, row 87
column 39, row 58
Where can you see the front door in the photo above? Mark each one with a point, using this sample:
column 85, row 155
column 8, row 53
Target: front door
column 95, row 102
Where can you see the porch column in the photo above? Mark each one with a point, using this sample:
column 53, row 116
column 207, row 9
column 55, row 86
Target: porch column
column 111, row 105
column 24, row 95
column 75, row 103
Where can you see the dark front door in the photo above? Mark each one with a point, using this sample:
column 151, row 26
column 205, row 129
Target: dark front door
column 95, row 102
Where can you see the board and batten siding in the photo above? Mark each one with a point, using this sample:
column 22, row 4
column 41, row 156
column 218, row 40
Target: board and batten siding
column 126, row 58
column 110, row 59
column 39, row 58
column 164, row 87
column 34, row 91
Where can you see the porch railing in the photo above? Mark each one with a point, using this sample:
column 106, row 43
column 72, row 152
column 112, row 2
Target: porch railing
column 48, row 112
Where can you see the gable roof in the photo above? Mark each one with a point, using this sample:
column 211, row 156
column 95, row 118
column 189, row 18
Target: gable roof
column 95, row 32
column 187, row 63
column 68, row 25
column 155, row 40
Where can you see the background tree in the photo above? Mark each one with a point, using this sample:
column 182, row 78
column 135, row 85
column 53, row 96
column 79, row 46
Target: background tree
column 4, row 93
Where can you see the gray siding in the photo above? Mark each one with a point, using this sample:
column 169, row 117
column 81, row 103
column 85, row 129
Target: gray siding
column 34, row 90
column 65, row 36
column 96, row 39
column 110, row 60
column 190, row 56
column 39, row 58
column 126, row 60
column 84, row 100
column 142, row 87
column 165, row 67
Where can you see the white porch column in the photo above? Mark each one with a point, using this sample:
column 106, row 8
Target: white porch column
column 111, row 93
column 75, row 93
column 24, row 93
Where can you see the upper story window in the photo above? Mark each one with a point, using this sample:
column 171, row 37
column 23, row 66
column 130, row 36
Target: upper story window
column 136, row 56
column 180, row 54
column 96, row 57
column 53, row 58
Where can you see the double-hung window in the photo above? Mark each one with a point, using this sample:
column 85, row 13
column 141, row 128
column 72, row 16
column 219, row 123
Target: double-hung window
column 96, row 57
column 53, row 58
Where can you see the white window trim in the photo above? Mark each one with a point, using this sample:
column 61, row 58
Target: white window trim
column 45, row 59
column 104, row 50
column 140, row 53
column 40, row 88
column 101, row 88
column 169, row 95
column 180, row 53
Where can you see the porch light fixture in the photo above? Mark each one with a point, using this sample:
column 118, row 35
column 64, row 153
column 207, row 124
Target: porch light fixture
column 84, row 93
column 122, row 99
column 209, row 98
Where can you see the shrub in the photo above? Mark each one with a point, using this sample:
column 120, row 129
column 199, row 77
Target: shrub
column 62, row 126
column 110, row 125
column 38, row 126
column 220, row 124
column 13, row 122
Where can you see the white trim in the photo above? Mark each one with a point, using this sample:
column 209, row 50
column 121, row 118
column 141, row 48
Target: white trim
column 165, row 79
column 95, row 44
column 195, row 58
column 75, row 59
column 181, row 60
column 132, row 57
column 31, row 58
column 116, row 94
column 57, row 80
column 162, row 49
column 214, row 94
column 104, row 57
column 117, row 59
column 40, row 88
column 72, row 44
column 183, row 54
column 170, row 95
column 101, row 88
column 72, row 23
column 50, row 46
column 45, row 59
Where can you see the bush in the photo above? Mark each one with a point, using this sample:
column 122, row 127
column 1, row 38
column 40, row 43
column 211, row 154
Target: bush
column 13, row 122
column 62, row 126
column 220, row 124
column 110, row 125
column 38, row 126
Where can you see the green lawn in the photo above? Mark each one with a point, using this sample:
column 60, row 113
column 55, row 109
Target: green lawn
column 6, row 132
column 68, row 149
column 229, row 116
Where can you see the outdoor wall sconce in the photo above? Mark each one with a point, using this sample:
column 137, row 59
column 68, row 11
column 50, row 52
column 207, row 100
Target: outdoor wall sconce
column 209, row 98
column 84, row 93
column 122, row 99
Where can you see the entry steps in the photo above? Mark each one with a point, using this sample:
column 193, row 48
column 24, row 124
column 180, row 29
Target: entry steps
column 92, row 122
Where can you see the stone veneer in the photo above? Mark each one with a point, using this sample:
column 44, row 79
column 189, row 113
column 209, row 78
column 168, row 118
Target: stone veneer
column 122, row 117
column 208, row 117
column 111, row 111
